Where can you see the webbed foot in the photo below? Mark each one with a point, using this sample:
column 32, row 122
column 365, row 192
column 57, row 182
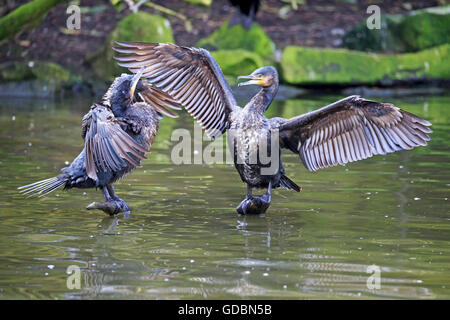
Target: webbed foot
column 254, row 205
column 111, row 207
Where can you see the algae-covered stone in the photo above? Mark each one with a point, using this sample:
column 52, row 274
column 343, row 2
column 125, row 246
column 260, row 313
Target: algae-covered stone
column 344, row 67
column 237, row 37
column 46, row 71
column 140, row 26
column 32, row 79
column 403, row 33
column 237, row 62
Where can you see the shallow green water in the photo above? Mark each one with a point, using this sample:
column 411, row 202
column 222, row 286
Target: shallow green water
column 184, row 239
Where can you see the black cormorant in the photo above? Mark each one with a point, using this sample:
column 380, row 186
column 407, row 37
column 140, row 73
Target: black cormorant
column 348, row 130
column 117, row 134
column 245, row 13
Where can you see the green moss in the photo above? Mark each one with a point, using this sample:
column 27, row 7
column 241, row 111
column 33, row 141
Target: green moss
column 139, row 26
column 25, row 17
column 45, row 71
column 424, row 30
column 51, row 72
column 237, row 62
column 237, row 37
column 14, row 71
column 33, row 79
column 343, row 67
column 403, row 33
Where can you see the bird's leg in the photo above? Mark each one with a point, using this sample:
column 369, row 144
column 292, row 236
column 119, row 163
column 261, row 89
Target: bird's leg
column 256, row 204
column 112, row 205
column 242, row 207
column 266, row 198
column 120, row 203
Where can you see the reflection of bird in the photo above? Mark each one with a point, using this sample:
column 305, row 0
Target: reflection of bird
column 118, row 132
column 345, row 131
column 246, row 12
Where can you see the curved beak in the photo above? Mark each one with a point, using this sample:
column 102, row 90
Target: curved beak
column 253, row 80
column 134, row 81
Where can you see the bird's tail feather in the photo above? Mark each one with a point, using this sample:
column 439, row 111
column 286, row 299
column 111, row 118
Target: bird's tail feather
column 43, row 187
column 287, row 183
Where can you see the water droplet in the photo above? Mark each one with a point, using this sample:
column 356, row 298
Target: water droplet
column 192, row 261
column 50, row 266
column 265, row 274
column 13, row 118
column 66, row 163
column 416, row 198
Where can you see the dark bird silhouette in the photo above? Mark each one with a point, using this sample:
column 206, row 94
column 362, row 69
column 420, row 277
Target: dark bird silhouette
column 245, row 13
column 117, row 134
column 348, row 130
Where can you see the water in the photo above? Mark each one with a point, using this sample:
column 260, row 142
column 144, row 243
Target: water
column 184, row 239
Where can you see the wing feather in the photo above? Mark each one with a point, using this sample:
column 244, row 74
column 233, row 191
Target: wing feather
column 191, row 76
column 352, row 129
column 107, row 146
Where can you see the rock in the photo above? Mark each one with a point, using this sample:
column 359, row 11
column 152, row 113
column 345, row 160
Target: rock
column 313, row 66
column 394, row 92
column 25, row 17
column 237, row 62
column 416, row 31
column 33, row 79
column 140, row 26
column 237, row 37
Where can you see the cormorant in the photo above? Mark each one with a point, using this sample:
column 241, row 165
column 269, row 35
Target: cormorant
column 348, row 130
column 117, row 134
column 245, row 13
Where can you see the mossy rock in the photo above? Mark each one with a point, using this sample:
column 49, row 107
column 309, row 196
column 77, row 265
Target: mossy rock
column 41, row 70
column 140, row 26
column 33, row 79
column 237, row 37
column 313, row 66
column 237, row 62
column 416, row 31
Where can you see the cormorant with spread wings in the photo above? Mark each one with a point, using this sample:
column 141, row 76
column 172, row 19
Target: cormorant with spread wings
column 348, row 130
column 117, row 134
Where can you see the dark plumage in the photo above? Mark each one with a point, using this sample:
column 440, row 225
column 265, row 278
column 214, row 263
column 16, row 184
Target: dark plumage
column 246, row 12
column 345, row 131
column 118, row 132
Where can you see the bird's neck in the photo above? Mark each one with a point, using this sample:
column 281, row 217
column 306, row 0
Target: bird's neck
column 117, row 107
column 262, row 100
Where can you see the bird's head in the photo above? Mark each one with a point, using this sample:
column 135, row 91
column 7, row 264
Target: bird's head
column 264, row 77
column 122, row 91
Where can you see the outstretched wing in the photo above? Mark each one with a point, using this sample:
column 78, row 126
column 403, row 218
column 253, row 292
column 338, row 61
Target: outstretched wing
column 351, row 129
column 190, row 76
column 156, row 98
column 107, row 146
